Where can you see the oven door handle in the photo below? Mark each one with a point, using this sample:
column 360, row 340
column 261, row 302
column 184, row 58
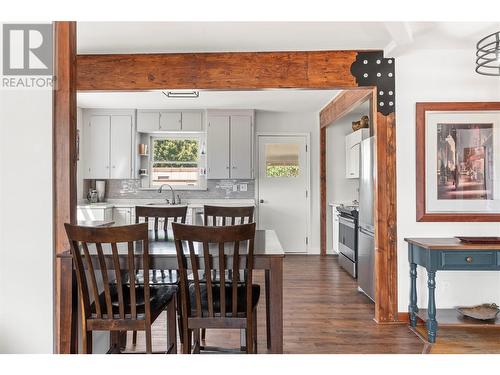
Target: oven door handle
column 346, row 221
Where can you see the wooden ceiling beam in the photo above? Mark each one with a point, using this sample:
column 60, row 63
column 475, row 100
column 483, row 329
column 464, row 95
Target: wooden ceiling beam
column 342, row 104
column 228, row 71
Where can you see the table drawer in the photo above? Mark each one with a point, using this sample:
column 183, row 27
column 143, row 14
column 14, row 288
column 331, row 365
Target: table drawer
column 468, row 260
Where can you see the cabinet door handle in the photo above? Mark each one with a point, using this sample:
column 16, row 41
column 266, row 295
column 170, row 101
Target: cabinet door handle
column 468, row 259
column 227, row 167
column 234, row 167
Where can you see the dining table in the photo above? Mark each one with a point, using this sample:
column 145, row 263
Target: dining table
column 268, row 256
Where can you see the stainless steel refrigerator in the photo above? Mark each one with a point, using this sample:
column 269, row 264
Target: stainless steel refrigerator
column 366, row 231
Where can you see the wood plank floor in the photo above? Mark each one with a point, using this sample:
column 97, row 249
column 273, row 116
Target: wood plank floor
column 324, row 313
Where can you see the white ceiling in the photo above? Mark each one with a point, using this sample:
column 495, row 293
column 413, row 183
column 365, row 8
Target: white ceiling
column 168, row 37
column 285, row 100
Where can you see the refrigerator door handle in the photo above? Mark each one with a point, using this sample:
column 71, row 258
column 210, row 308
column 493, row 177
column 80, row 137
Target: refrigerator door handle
column 368, row 233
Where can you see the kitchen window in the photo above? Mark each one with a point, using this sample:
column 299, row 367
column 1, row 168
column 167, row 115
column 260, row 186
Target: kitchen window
column 175, row 160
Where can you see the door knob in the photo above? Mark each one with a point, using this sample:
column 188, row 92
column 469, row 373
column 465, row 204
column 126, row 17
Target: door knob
column 261, row 201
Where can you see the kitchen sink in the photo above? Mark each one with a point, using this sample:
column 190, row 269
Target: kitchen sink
column 165, row 204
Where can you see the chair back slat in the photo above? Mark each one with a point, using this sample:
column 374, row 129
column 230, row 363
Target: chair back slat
column 227, row 215
column 196, row 278
column 214, row 242
column 93, row 279
column 167, row 213
column 235, row 274
column 208, row 278
column 106, row 272
column 119, row 280
column 80, row 276
column 132, row 270
column 105, row 281
column 222, row 276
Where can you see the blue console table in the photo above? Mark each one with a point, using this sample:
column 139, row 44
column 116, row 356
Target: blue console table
column 446, row 254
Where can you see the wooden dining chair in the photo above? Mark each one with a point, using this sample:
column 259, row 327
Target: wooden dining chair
column 219, row 215
column 162, row 217
column 101, row 255
column 225, row 215
column 225, row 304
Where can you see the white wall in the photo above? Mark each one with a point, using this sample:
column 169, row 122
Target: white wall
column 26, row 301
column 339, row 189
column 446, row 75
column 299, row 122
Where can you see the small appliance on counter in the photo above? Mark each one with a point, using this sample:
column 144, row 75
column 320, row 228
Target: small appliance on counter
column 92, row 196
column 100, row 187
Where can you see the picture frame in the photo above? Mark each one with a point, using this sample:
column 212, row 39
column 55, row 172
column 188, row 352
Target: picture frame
column 458, row 161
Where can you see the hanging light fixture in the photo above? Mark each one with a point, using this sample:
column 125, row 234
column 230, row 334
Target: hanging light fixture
column 488, row 55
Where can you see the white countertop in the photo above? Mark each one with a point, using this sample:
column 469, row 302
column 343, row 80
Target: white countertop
column 191, row 203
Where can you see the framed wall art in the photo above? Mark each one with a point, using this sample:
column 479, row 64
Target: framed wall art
column 458, row 161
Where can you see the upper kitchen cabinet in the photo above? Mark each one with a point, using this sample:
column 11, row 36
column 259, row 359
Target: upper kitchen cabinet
column 230, row 145
column 353, row 152
column 148, row 122
column 170, row 121
column 192, row 121
column 108, row 145
column 152, row 121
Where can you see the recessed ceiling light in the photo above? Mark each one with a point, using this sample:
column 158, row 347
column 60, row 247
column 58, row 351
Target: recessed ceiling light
column 181, row 94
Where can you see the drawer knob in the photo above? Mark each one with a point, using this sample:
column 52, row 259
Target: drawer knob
column 468, row 259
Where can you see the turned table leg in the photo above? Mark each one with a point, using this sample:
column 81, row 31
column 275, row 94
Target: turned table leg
column 431, row 311
column 412, row 307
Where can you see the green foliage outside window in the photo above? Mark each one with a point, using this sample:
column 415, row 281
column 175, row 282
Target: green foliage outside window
column 282, row 170
column 173, row 152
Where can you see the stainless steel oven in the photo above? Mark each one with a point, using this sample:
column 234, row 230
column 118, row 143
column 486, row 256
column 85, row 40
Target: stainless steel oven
column 348, row 243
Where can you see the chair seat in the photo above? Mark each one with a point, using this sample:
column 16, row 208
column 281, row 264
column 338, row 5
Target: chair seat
column 160, row 297
column 241, row 298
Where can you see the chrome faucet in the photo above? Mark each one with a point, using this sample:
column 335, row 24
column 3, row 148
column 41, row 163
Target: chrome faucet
column 173, row 193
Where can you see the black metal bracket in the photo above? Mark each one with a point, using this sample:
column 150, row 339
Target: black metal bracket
column 372, row 69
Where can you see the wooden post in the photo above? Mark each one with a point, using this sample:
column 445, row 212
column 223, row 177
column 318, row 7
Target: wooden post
column 64, row 175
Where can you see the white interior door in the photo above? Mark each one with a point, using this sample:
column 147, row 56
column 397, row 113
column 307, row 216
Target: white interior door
column 283, row 185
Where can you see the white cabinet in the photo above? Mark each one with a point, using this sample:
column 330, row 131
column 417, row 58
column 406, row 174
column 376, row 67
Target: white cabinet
column 218, row 147
column 94, row 213
column 123, row 215
column 96, row 146
column 241, row 155
column 121, row 147
column 170, row 121
column 108, row 147
column 335, row 228
column 148, row 121
column 151, row 121
column 353, row 152
column 230, row 146
column 192, row 121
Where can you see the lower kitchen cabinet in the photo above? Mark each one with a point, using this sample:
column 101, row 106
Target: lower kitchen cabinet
column 89, row 213
column 123, row 215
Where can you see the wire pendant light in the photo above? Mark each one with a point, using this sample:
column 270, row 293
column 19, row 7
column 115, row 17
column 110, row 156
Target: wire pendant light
column 488, row 55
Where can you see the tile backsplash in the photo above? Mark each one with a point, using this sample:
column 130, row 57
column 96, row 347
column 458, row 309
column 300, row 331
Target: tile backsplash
column 216, row 189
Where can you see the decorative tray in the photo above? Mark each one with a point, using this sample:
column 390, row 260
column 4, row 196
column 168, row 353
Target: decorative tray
column 479, row 240
column 486, row 311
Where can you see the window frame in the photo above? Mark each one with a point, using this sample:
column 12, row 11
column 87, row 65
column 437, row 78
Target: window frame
column 201, row 180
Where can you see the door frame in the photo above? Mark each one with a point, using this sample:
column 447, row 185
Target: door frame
column 333, row 70
column 307, row 136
